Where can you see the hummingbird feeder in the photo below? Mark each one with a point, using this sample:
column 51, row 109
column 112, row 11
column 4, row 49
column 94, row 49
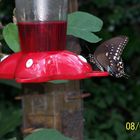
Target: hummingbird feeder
column 42, row 26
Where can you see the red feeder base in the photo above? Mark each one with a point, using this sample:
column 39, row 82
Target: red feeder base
column 46, row 66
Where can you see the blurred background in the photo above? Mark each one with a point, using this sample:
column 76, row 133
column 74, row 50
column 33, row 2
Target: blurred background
column 113, row 102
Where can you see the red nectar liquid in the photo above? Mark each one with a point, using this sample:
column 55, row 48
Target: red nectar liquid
column 42, row 36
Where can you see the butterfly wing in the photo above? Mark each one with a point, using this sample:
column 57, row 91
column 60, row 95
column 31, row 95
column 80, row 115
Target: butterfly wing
column 100, row 58
column 108, row 55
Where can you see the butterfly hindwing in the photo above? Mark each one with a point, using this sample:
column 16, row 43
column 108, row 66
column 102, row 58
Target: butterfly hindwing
column 107, row 56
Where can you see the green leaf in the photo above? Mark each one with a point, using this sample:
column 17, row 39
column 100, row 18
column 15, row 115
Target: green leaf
column 85, row 35
column 9, row 122
column 46, row 134
column 10, row 34
column 10, row 83
column 82, row 25
column 84, row 21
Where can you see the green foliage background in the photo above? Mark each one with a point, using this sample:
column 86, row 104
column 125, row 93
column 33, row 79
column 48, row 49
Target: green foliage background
column 113, row 101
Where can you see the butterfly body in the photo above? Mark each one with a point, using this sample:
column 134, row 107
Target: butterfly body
column 107, row 56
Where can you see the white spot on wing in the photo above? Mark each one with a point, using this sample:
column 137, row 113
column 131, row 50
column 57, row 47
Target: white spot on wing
column 106, row 54
column 114, row 57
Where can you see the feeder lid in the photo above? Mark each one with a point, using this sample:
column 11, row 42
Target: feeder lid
column 47, row 66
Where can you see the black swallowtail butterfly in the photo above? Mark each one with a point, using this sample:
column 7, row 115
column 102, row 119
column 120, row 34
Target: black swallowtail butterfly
column 107, row 56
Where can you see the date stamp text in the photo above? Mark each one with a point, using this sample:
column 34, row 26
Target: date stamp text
column 132, row 126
